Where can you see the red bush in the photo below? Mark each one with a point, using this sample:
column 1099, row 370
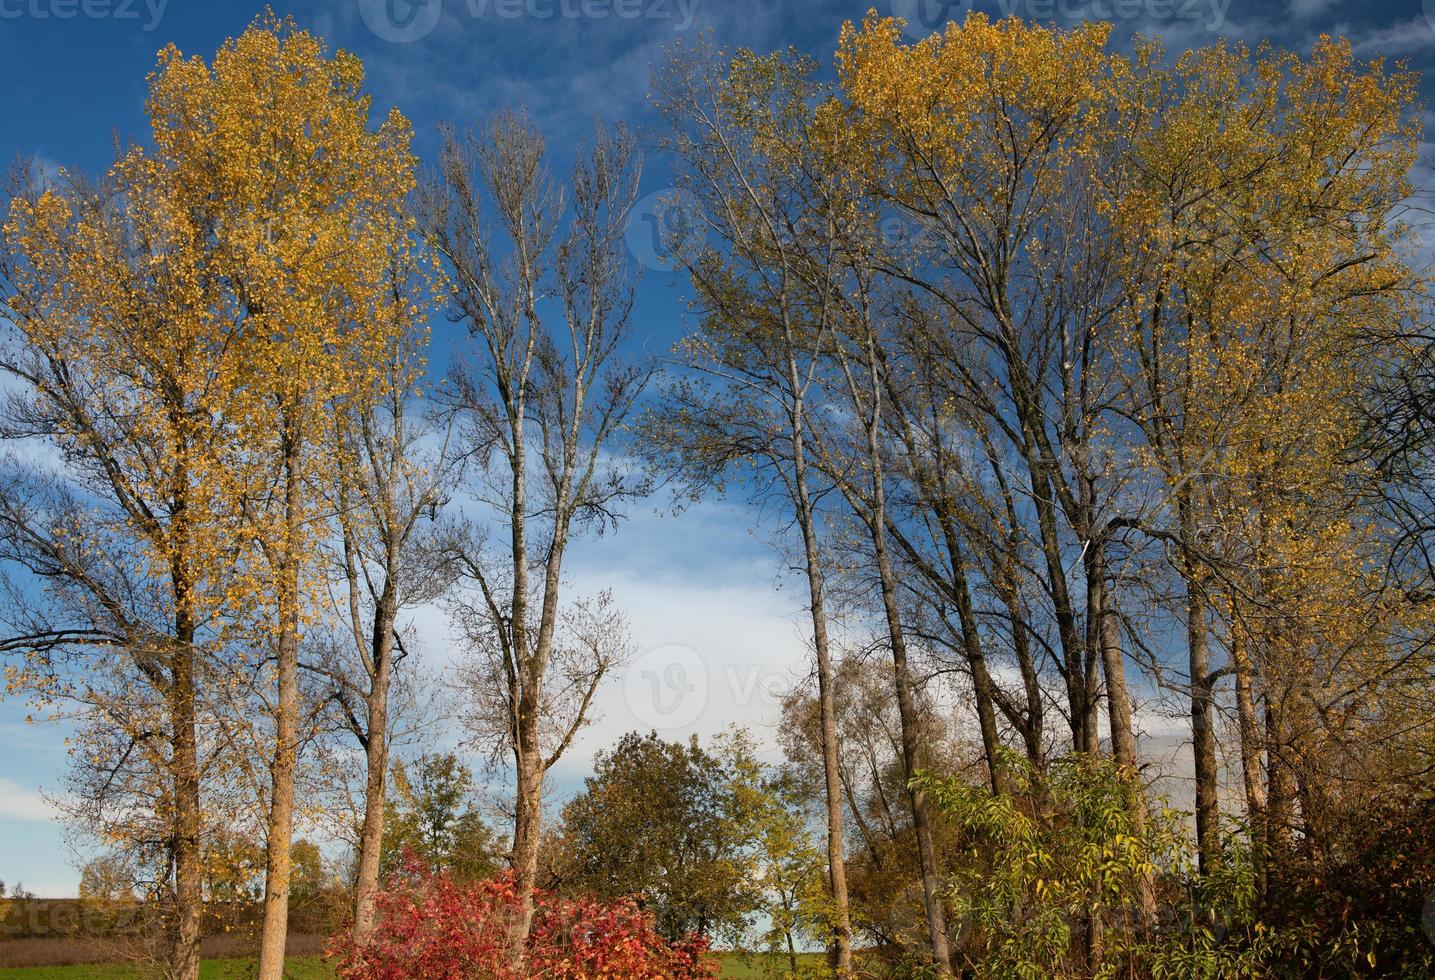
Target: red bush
column 429, row 926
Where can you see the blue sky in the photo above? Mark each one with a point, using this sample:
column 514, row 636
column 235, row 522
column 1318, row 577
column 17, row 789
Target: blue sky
column 698, row 585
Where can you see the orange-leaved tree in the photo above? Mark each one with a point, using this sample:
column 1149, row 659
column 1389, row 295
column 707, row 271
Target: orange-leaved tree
column 302, row 202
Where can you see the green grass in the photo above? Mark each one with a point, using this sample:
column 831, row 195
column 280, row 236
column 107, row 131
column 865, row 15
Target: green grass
column 298, row 968
column 744, row 966
column 734, row 965
column 753, row 966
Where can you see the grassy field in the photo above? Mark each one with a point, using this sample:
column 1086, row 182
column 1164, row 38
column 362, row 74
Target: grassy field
column 299, row 968
column 749, row 967
column 753, row 966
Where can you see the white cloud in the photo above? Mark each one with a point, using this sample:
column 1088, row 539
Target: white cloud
column 1307, row 9
column 709, row 657
column 22, row 803
column 1392, row 41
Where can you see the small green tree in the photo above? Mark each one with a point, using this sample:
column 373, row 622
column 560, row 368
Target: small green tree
column 308, row 874
column 431, row 814
column 664, row 821
column 787, row 865
column 106, row 880
column 233, row 868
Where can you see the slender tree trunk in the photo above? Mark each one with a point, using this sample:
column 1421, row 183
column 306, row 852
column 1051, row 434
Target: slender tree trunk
column 1280, row 787
column 532, row 767
column 1250, row 751
column 1091, row 696
column 1072, row 650
column 1104, row 634
column 982, row 691
column 1203, row 735
column 371, row 837
column 527, row 750
column 188, row 859
column 1118, row 707
column 876, row 521
column 280, row 837
column 983, row 687
column 527, row 826
column 836, row 858
column 841, row 949
column 911, row 752
column 1033, row 722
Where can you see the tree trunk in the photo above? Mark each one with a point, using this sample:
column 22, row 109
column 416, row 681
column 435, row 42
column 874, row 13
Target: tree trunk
column 836, row 858
column 1250, row 751
column 1072, row 650
column 1203, row 736
column 1118, row 707
column 983, row 687
column 876, row 521
column 1104, row 633
column 982, row 690
column 188, row 859
column 1033, row 722
column 280, row 837
column 371, row 837
column 531, row 766
column 527, row 825
column 911, row 755
column 525, row 747
column 1280, row 787
column 841, row 945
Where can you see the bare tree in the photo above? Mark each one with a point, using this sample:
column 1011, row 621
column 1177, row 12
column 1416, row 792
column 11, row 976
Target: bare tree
column 539, row 396
column 395, row 474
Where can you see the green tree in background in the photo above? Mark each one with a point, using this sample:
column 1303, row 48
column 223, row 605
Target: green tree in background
column 787, row 865
column 431, row 815
column 107, row 879
column 664, row 821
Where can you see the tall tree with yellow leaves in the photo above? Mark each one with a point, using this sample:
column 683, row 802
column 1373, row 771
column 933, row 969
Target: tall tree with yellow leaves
column 301, row 201
column 1012, row 252
column 125, row 360
column 1262, row 245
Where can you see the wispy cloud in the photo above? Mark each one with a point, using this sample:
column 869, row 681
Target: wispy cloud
column 1309, row 9
column 19, row 802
